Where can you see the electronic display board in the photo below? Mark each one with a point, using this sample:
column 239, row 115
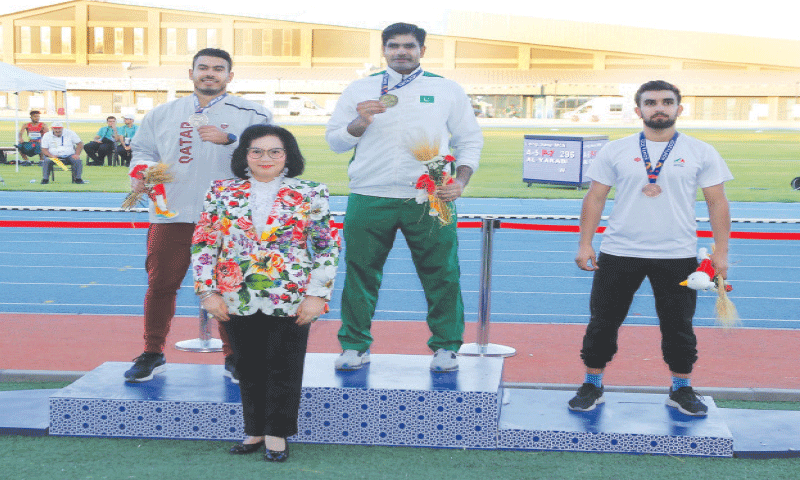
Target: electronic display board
column 559, row 159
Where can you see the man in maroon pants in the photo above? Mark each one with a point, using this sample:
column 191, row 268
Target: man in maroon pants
column 195, row 136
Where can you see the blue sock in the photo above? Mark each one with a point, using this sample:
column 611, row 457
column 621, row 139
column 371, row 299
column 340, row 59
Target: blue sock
column 680, row 382
column 595, row 379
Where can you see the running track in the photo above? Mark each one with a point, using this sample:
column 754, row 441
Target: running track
column 52, row 272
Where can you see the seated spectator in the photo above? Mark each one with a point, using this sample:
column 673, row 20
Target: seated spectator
column 64, row 144
column 124, row 135
column 103, row 144
column 35, row 130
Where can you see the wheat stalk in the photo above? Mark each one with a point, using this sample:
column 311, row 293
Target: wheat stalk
column 727, row 316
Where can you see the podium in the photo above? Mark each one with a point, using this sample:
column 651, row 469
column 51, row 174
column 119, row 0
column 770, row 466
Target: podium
column 395, row 400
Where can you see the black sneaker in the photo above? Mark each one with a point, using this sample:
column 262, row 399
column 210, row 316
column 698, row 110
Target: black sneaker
column 230, row 370
column 587, row 398
column 687, row 402
column 145, row 366
column 45, row 181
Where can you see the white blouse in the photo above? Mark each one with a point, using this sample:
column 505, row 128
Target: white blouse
column 262, row 198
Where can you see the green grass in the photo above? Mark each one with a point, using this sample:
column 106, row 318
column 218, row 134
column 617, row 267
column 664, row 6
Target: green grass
column 45, row 458
column 763, row 164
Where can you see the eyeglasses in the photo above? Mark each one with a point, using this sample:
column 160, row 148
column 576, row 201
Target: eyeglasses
column 273, row 153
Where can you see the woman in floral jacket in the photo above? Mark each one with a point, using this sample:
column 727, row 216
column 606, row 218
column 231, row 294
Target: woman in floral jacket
column 264, row 259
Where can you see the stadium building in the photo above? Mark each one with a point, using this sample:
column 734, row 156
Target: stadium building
column 118, row 58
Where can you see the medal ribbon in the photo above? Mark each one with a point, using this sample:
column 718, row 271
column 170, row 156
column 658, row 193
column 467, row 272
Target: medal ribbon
column 385, row 85
column 652, row 173
column 199, row 109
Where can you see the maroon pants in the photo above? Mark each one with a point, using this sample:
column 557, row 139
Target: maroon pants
column 168, row 258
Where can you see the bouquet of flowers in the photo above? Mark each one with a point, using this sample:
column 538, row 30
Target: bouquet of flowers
column 154, row 177
column 436, row 176
column 706, row 278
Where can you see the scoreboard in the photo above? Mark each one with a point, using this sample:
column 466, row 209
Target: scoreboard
column 559, row 159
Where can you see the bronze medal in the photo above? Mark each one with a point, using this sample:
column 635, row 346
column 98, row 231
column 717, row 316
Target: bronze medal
column 388, row 100
column 651, row 190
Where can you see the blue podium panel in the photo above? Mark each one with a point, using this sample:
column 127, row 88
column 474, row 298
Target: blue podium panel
column 396, row 400
column 187, row 401
column 764, row 433
column 24, row 412
column 625, row 423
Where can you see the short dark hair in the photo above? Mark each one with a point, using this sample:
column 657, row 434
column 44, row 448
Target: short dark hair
column 36, row 112
column 402, row 29
column 656, row 86
column 110, row 117
column 213, row 52
column 295, row 163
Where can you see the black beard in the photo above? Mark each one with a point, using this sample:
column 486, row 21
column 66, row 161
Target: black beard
column 660, row 124
column 209, row 91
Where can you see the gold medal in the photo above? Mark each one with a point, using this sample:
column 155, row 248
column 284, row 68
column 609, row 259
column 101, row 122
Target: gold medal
column 388, row 100
column 651, row 190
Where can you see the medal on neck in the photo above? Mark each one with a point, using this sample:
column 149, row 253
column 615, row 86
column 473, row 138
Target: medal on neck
column 389, row 100
column 198, row 118
column 651, row 189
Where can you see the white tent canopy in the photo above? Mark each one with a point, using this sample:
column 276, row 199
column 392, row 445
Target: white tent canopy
column 13, row 79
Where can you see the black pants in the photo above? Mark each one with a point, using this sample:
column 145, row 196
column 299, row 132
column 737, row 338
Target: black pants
column 124, row 156
column 615, row 282
column 269, row 353
column 98, row 151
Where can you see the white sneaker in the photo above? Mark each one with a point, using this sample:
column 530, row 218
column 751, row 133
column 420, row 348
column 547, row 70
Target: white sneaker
column 351, row 360
column 444, row 361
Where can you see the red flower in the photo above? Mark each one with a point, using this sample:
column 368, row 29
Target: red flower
column 229, row 276
column 425, row 182
column 299, row 230
column 335, row 235
column 138, row 171
column 244, row 223
column 449, row 158
column 290, row 197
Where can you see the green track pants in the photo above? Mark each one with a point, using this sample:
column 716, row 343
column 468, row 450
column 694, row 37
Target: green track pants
column 370, row 227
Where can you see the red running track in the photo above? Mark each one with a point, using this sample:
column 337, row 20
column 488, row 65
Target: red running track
column 545, row 353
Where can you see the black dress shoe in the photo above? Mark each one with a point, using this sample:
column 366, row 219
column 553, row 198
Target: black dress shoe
column 273, row 456
column 245, row 448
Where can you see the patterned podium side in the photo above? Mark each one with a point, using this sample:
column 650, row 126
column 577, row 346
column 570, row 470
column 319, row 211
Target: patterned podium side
column 396, row 400
column 625, row 423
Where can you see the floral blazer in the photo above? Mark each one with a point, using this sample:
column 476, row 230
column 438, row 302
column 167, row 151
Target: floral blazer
column 296, row 255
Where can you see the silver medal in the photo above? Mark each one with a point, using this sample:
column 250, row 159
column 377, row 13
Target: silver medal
column 198, row 120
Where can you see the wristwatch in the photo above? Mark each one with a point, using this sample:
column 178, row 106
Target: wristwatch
column 231, row 138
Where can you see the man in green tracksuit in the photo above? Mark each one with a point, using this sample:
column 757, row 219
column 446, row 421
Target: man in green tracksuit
column 384, row 117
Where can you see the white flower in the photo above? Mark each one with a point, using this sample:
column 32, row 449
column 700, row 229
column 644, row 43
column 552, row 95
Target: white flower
column 422, row 196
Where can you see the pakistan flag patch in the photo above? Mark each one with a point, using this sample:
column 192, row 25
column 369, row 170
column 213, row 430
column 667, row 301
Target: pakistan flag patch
column 426, row 99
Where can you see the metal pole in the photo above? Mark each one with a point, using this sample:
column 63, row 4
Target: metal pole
column 483, row 348
column 205, row 343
